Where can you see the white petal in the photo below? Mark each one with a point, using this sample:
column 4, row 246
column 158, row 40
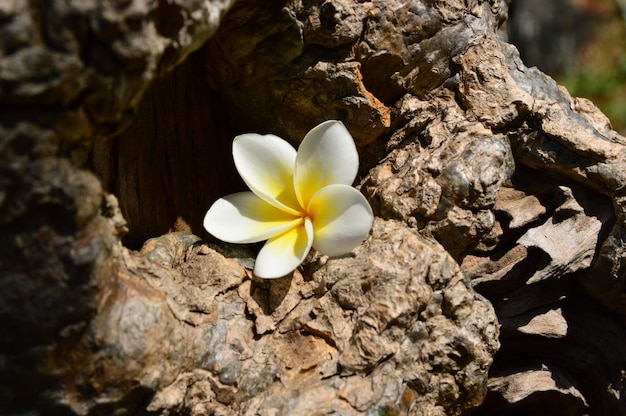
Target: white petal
column 245, row 218
column 327, row 155
column 342, row 218
column 283, row 253
column 266, row 163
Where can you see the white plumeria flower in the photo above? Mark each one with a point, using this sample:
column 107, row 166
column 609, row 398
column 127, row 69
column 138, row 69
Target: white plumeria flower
column 299, row 199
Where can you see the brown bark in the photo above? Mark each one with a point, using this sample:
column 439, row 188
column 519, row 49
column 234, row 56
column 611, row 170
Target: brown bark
column 475, row 165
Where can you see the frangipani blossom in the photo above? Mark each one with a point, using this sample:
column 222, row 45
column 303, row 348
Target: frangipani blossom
column 298, row 200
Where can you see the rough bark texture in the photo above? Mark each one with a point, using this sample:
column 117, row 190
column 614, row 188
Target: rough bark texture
column 481, row 173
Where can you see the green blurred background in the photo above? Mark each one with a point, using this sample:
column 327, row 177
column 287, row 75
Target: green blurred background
column 580, row 43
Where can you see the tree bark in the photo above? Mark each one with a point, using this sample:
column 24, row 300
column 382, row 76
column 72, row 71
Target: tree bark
column 499, row 203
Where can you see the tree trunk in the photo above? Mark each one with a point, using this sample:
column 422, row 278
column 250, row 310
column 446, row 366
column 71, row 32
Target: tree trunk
column 499, row 201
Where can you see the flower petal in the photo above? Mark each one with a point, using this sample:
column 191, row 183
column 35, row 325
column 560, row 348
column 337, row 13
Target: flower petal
column 266, row 163
column 327, row 155
column 342, row 218
column 245, row 218
column 283, row 253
